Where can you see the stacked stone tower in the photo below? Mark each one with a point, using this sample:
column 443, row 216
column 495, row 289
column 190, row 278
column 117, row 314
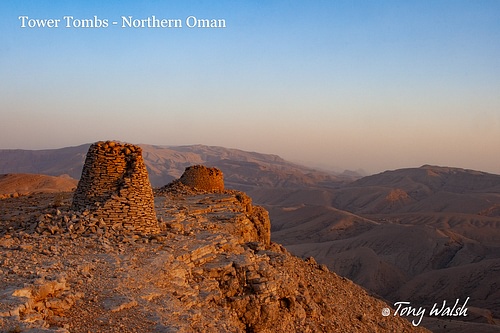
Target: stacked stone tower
column 115, row 186
column 203, row 178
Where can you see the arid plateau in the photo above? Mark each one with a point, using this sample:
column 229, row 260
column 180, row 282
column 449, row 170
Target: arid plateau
column 113, row 237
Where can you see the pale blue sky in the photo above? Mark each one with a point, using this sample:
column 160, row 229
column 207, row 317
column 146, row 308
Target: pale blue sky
column 346, row 84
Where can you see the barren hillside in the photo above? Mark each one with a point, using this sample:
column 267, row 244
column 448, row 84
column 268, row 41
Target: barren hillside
column 23, row 184
column 425, row 234
column 209, row 270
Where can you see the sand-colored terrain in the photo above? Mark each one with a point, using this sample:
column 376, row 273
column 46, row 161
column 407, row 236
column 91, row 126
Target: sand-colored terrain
column 24, row 184
column 426, row 234
column 423, row 234
column 210, row 269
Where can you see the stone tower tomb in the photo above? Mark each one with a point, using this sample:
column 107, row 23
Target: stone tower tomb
column 203, row 178
column 115, row 186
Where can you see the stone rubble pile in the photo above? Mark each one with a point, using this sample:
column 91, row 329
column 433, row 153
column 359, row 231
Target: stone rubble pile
column 86, row 223
column 115, row 188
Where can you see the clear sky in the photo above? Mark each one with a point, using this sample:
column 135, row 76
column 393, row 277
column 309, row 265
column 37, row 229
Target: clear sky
column 340, row 84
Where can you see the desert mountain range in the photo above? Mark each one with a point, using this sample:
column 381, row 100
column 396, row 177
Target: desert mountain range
column 424, row 235
column 241, row 169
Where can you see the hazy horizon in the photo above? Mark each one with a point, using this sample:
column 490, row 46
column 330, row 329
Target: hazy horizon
column 337, row 85
column 318, row 166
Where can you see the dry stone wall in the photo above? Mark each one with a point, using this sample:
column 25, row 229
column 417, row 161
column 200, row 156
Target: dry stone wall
column 203, row 178
column 115, row 187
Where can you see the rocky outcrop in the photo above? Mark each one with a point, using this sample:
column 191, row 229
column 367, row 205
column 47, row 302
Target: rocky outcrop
column 114, row 186
column 250, row 222
column 210, row 269
column 40, row 301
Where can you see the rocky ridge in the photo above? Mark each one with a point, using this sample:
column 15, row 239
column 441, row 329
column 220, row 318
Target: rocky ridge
column 209, row 268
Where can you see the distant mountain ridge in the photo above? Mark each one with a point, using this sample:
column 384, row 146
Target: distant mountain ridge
column 433, row 178
column 165, row 163
column 52, row 162
column 428, row 188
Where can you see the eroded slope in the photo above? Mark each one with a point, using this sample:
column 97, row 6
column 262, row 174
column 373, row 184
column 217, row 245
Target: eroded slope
column 210, row 269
